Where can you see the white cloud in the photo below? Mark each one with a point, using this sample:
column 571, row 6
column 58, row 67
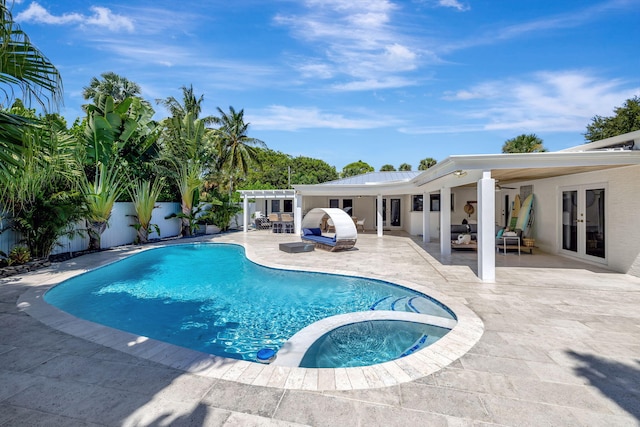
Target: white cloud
column 373, row 84
column 101, row 17
column 38, row 14
column 354, row 40
column 279, row 117
column 454, row 4
column 563, row 101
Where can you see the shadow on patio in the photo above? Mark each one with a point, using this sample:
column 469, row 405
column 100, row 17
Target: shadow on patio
column 617, row 381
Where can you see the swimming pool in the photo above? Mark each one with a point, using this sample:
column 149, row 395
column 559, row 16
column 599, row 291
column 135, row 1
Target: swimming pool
column 210, row 298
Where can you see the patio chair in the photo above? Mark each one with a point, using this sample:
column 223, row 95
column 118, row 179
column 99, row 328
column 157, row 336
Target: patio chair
column 287, row 221
column 274, row 221
column 330, row 225
column 360, row 224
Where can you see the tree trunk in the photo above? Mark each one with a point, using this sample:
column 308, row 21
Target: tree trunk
column 186, row 223
column 95, row 230
column 143, row 235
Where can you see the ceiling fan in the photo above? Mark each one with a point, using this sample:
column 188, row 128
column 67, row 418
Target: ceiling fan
column 502, row 187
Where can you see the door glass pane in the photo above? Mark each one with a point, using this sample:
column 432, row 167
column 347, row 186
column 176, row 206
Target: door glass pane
column 384, row 212
column 594, row 212
column 395, row 212
column 570, row 220
column 347, row 206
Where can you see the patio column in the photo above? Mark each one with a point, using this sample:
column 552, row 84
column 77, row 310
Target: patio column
column 297, row 212
column 426, row 217
column 245, row 211
column 486, row 228
column 445, row 221
column 379, row 224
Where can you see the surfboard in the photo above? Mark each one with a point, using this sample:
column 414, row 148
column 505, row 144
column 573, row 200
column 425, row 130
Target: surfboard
column 525, row 212
column 515, row 210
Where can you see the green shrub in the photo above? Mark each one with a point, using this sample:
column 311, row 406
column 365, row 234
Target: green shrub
column 19, row 255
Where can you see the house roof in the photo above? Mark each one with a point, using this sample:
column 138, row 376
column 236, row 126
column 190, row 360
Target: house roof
column 625, row 142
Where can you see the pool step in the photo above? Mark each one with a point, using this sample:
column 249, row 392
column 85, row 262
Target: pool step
column 416, row 304
column 415, row 346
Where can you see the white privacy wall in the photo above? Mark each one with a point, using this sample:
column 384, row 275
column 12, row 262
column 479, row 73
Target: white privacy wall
column 119, row 231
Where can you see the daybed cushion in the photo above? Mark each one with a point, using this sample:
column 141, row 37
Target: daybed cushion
column 311, row 232
column 320, row 239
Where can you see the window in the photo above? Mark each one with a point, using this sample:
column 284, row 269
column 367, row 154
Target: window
column 288, row 205
column 434, row 200
column 434, row 204
column 418, row 203
column 275, row 206
column 334, row 203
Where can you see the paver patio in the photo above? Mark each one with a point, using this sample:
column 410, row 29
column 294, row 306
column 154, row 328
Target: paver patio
column 561, row 346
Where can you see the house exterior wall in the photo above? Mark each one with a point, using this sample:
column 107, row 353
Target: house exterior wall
column 622, row 204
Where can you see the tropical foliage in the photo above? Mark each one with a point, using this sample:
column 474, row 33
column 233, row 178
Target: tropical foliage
column 427, row 163
column 274, row 169
column 404, row 167
column 117, row 87
column 39, row 199
column 524, row 144
column 99, row 198
column 144, row 195
column 236, row 150
column 356, row 168
column 626, row 119
column 387, row 168
column 24, row 66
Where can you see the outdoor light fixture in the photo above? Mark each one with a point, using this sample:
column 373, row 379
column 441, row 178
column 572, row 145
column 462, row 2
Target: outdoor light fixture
column 459, row 173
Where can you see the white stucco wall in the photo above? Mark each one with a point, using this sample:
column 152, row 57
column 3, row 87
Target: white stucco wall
column 622, row 234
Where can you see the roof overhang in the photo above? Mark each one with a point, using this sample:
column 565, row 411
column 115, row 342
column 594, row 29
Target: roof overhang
column 268, row 194
column 523, row 167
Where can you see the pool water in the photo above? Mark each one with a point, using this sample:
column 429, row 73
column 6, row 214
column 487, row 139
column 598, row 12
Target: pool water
column 368, row 343
column 211, row 298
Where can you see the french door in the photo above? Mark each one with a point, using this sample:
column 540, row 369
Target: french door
column 583, row 222
column 391, row 213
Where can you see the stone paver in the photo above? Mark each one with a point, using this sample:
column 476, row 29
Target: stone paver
column 561, row 346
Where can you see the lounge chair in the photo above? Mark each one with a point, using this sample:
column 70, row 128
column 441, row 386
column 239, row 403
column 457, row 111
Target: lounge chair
column 360, row 224
column 345, row 236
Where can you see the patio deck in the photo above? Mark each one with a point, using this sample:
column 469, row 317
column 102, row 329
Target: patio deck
column 560, row 347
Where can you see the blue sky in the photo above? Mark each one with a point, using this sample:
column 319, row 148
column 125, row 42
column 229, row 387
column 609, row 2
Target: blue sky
column 373, row 80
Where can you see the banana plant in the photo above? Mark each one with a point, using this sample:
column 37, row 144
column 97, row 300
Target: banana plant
column 124, row 130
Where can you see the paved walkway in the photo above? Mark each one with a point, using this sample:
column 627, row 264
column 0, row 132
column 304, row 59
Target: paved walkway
column 561, row 347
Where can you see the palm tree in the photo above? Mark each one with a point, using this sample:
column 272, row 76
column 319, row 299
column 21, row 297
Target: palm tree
column 236, row 149
column 524, row 144
column 387, row 168
column 404, row 167
column 185, row 147
column 190, row 104
column 427, row 163
column 24, row 65
column 118, row 87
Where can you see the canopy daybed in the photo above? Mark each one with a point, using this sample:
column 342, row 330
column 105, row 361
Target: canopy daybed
column 346, row 234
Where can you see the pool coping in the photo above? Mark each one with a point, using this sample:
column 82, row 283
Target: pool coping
column 452, row 346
